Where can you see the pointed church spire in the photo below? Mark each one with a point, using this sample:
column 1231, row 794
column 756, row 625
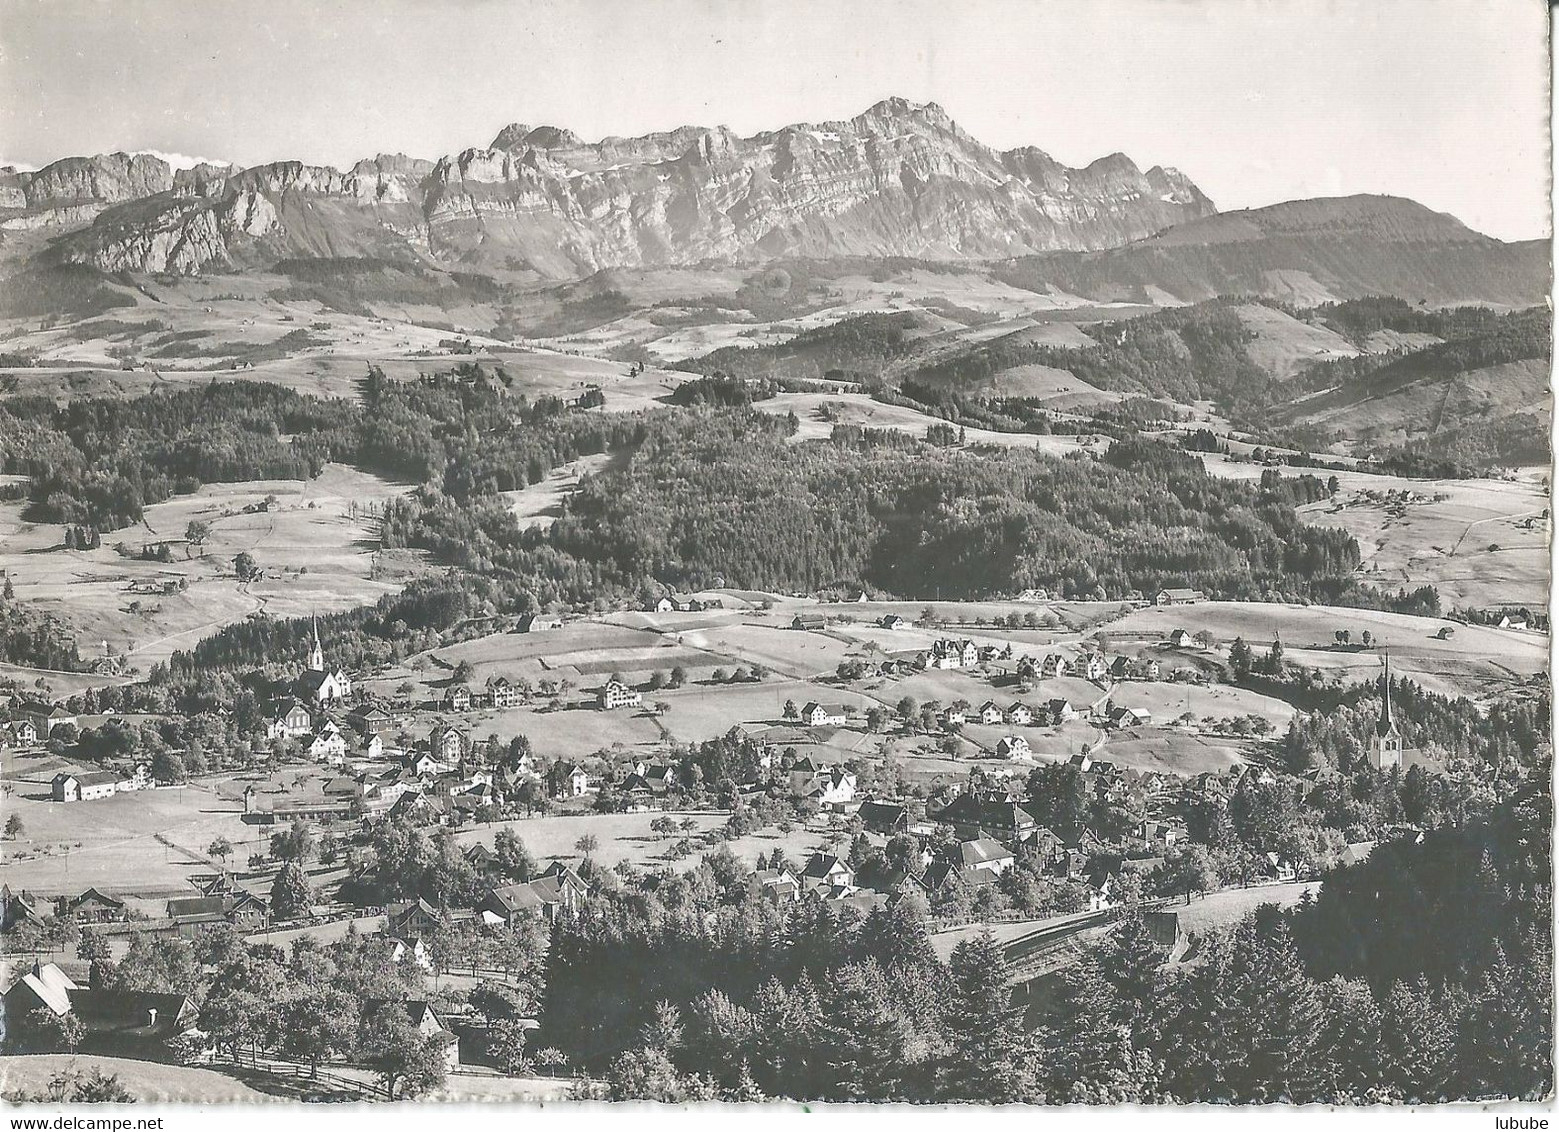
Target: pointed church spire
column 1386, row 725
column 317, row 652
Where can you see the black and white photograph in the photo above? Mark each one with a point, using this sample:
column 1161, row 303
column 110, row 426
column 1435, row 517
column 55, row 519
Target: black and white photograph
column 665, row 555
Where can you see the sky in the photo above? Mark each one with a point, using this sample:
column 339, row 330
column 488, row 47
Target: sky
column 1258, row 101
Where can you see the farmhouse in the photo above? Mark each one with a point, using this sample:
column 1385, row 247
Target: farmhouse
column 46, row 717
column 948, row 653
column 135, row 1016
column 21, row 733
column 809, row 621
column 370, row 719
column 1178, row 597
column 503, row 692
column 536, row 623
column 1094, row 667
column 568, row 780
column 974, row 815
column 776, row 886
column 954, row 715
column 558, row 890
column 16, row 909
column 414, row 917
column 94, row 907
column 83, row 785
column 1054, row 665
column 991, row 713
column 327, row 743
column 457, row 697
column 825, row 715
column 1012, row 747
column 44, row 987
column 447, row 746
column 1180, row 639
column 1019, row 714
column 616, row 694
column 427, row 1023
column 1061, row 710
column 985, row 855
column 827, row 869
column 1130, row 717
column 291, row 720
column 884, row 817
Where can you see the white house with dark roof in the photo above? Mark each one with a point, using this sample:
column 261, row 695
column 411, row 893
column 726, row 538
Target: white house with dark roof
column 83, row 785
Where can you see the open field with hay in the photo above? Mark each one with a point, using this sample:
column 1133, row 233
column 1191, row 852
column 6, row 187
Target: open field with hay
column 1481, row 543
column 315, row 541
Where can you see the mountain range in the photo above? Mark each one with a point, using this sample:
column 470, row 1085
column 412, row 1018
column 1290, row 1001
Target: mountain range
column 898, row 180
column 902, row 180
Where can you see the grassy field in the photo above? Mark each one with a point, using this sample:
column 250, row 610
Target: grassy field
column 113, row 842
column 627, row 837
column 1461, row 536
column 1476, row 661
column 149, row 1081
column 860, row 409
column 541, row 504
column 317, row 548
column 1218, row 908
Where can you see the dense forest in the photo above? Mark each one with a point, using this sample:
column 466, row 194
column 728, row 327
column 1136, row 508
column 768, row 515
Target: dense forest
column 1385, row 989
column 725, row 496
column 694, row 495
column 853, row 349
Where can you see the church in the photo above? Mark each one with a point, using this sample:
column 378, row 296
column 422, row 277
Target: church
column 1386, row 751
column 318, row 685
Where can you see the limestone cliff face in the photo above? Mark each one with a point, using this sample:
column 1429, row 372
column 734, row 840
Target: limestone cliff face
column 108, row 178
column 900, row 179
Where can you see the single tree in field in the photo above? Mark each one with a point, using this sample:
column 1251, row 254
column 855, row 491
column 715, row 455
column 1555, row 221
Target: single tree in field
column 91, row 947
column 52, row 1032
column 290, row 893
column 405, row 1060
column 791, row 710
column 246, row 567
column 687, row 825
column 663, row 826
column 196, row 533
column 221, row 849
column 506, row 1044
column 587, row 845
column 14, row 827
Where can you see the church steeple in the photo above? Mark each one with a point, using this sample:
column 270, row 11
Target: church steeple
column 1386, row 725
column 317, row 652
column 1386, row 743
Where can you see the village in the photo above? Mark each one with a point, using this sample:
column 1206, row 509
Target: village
column 1030, row 787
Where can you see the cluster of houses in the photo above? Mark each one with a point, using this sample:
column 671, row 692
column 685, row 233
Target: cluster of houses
column 218, row 899
column 684, row 603
column 34, row 721
column 79, row 785
column 499, row 692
